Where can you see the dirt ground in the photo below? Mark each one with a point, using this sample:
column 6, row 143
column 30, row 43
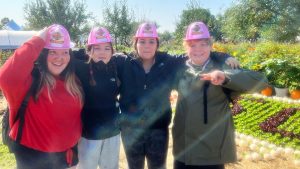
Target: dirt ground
column 282, row 162
column 277, row 163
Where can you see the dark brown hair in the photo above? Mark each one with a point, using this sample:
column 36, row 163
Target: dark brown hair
column 135, row 40
column 91, row 72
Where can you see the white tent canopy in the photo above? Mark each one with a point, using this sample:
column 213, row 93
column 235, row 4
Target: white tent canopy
column 14, row 39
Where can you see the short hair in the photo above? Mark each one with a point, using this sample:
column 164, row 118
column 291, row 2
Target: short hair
column 189, row 42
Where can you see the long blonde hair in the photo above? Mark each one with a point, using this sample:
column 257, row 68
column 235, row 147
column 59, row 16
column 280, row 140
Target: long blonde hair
column 45, row 78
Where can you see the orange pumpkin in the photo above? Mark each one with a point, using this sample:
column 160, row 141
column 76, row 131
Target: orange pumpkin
column 295, row 94
column 267, row 91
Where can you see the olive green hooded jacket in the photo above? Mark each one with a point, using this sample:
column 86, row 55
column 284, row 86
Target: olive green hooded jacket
column 200, row 140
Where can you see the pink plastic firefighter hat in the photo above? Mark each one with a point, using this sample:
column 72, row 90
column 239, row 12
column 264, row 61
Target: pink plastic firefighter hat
column 99, row 35
column 58, row 38
column 146, row 30
column 197, row 30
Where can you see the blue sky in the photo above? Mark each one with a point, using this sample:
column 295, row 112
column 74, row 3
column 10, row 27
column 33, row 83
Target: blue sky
column 164, row 12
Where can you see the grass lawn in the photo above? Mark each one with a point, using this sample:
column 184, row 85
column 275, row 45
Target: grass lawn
column 7, row 160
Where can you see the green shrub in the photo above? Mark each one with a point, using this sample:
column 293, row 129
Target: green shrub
column 282, row 73
column 5, row 54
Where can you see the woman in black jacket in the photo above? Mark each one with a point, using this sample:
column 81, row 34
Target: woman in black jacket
column 100, row 142
column 146, row 77
column 146, row 83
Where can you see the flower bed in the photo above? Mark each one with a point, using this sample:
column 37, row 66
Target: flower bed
column 268, row 119
column 252, row 54
column 274, row 119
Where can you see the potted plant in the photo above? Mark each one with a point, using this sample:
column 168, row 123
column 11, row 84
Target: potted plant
column 294, row 87
column 281, row 74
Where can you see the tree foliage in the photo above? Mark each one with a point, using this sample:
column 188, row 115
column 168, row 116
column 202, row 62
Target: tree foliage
column 286, row 22
column 119, row 21
column 42, row 13
column 3, row 22
column 165, row 37
column 193, row 13
column 251, row 20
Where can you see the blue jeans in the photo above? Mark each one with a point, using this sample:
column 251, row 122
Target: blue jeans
column 151, row 144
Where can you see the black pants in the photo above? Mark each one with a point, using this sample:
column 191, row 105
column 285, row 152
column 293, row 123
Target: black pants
column 151, row 145
column 180, row 165
column 28, row 158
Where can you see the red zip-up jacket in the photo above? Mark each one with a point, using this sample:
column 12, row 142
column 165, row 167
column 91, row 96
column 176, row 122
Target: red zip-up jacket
column 50, row 126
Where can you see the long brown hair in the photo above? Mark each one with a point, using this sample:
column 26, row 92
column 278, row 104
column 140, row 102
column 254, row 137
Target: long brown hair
column 89, row 49
column 45, row 78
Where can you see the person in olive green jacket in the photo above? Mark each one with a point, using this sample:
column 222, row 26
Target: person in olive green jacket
column 203, row 131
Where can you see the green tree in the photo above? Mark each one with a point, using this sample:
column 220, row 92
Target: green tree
column 250, row 20
column 119, row 22
column 42, row 13
column 4, row 21
column 193, row 13
column 165, row 37
column 286, row 23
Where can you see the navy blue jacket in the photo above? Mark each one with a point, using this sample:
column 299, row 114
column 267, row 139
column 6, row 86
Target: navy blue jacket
column 144, row 97
column 100, row 112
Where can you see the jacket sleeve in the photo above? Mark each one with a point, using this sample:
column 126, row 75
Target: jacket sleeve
column 120, row 59
column 15, row 74
column 81, row 67
column 179, row 60
column 245, row 81
column 80, row 54
column 219, row 56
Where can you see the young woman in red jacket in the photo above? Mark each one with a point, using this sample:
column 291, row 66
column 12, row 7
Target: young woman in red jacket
column 52, row 125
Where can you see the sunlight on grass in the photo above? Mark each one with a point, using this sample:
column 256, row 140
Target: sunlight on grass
column 7, row 160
